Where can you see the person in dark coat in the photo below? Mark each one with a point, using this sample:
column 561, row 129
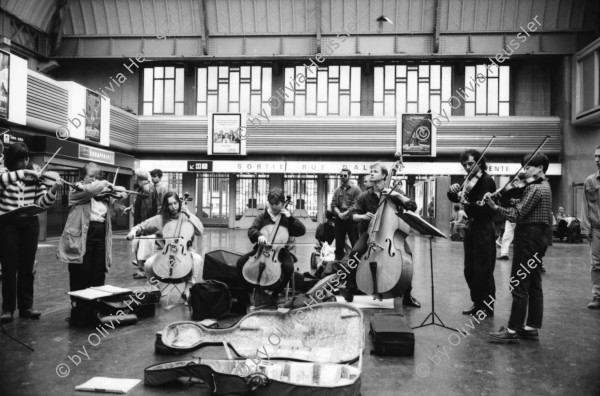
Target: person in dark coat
column 480, row 234
column 294, row 227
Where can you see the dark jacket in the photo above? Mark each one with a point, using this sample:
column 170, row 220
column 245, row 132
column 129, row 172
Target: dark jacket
column 474, row 211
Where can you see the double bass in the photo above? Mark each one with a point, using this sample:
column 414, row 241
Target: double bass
column 264, row 268
column 386, row 269
column 174, row 263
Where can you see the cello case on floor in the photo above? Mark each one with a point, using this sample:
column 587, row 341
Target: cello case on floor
column 325, row 341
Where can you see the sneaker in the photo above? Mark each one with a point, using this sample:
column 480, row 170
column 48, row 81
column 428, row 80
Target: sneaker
column 139, row 275
column 6, row 317
column 503, row 336
column 595, row 303
column 29, row 313
column 528, row 334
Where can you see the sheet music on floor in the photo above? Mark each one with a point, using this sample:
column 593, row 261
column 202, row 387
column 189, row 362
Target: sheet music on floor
column 95, row 292
column 108, row 385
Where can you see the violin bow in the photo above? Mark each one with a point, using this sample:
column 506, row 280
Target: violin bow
column 479, row 160
column 51, row 158
column 512, row 179
column 116, row 173
column 530, row 158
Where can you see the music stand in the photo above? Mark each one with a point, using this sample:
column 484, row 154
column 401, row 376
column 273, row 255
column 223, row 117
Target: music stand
column 424, row 229
column 4, row 333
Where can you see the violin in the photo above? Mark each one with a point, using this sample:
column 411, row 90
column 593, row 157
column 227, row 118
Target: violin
column 512, row 189
column 386, row 269
column 471, row 180
column 516, row 185
column 174, row 263
column 468, row 186
column 113, row 191
column 264, row 268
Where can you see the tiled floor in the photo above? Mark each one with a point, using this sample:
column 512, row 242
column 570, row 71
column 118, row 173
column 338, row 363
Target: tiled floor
column 566, row 360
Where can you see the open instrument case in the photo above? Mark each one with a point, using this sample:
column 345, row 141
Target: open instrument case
column 315, row 350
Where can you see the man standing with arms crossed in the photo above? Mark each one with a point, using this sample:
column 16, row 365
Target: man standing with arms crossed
column 591, row 227
column 344, row 198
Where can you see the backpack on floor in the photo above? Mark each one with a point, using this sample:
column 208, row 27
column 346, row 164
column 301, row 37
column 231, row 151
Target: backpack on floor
column 210, row 299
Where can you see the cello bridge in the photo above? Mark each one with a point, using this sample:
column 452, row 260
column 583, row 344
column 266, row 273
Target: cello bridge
column 375, row 245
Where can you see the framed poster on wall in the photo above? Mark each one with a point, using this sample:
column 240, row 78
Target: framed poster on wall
column 417, row 135
column 4, row 85
column 93, row 116
column 226, row 133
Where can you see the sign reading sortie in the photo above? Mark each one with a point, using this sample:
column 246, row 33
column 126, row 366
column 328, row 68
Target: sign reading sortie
column 96, row 154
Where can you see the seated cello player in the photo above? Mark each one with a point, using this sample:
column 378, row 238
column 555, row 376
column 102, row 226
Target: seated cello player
column 362, row 212
column 294, row 227
column 171, row 209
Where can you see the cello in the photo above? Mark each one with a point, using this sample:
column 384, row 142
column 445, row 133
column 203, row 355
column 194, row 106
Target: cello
column 386, row 268
column 264, row 268
column 174, row 263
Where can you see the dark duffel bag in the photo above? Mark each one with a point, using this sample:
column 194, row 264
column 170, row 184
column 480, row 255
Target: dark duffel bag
column 220, row 265
column 391, row 335
column 210, row 299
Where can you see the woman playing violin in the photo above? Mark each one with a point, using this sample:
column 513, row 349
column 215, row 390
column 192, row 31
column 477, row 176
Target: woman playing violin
column 294, row 226
column 19, row 231
column 86, row 241
column 171, row 210
column 480, row 234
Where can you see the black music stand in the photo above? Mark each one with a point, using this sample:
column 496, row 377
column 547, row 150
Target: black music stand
column 424, row 229
column 4, row 333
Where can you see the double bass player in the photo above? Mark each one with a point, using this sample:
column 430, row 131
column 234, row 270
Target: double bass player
column 363, row 212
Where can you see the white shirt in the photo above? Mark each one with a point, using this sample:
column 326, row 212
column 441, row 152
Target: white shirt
column 98, row 211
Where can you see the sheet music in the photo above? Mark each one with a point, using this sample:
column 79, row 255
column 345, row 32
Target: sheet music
column 111, row 289
column 108, row 385
column 419, row 225
column 89, row 294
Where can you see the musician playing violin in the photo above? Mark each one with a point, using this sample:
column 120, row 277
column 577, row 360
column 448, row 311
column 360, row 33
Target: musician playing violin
column 480, row 235
column 533, row 215
column 171, row 210
column 362, row 212
column 19, row 232
column 294, row 227
column 86, row 241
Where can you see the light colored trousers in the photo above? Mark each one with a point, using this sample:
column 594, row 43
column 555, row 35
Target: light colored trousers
column 507, row 237
column 595, row 261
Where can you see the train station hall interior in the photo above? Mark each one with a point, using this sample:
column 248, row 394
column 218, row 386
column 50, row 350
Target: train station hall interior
column 234, row 99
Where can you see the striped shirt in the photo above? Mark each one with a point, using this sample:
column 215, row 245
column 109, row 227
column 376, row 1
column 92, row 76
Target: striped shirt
column 535, row 206
column 15, row 194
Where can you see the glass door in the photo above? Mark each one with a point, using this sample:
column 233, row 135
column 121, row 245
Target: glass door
column 212, row 193
column 251, row 195
column 303, row 189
